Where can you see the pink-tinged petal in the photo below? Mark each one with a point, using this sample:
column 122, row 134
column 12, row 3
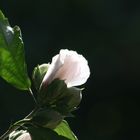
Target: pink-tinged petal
column 68, row 66
column 53, row 68
column 75, row 70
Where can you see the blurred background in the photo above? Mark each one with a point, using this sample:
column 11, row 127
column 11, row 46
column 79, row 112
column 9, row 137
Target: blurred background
column 107, row 33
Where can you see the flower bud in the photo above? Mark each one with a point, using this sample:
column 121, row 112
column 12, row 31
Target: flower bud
column 55, row 82
column 69, row 66
column 38, row 74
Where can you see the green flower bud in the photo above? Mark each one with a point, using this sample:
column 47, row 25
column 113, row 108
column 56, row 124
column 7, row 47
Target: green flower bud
column 38, row 74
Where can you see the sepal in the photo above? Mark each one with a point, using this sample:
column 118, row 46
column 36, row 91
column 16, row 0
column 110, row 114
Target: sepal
column 69, row 103
column 60, row 97
column 50, row 94
column 38, row 74
column 47, row 117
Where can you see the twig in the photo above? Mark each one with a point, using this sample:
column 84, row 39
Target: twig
column 31, row 93
column 20, row 123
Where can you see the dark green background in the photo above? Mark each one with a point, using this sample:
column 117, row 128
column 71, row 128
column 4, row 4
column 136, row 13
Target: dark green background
column 107, row 33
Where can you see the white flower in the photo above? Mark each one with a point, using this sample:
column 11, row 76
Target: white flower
column 69, row 66
column 22, row 135
column 25, row 136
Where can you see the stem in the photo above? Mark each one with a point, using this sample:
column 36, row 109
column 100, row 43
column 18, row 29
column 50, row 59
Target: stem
column 18, row 124
column 30, row 91
column 6, row 134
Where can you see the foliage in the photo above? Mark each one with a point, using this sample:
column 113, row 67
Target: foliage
column 12, row 61
column 64, row 130
column 55, row 99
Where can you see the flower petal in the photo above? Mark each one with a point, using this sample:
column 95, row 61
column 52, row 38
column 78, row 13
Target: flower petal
column 53, row 68
column 68, row 66
column 25, row 136
column 75, row 70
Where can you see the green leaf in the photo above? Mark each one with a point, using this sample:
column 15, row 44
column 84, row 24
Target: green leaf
column 63, row 129
column 12, row 60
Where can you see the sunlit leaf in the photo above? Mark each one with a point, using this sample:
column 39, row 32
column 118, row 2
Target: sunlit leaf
column 63, row 129
column 12, row 60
